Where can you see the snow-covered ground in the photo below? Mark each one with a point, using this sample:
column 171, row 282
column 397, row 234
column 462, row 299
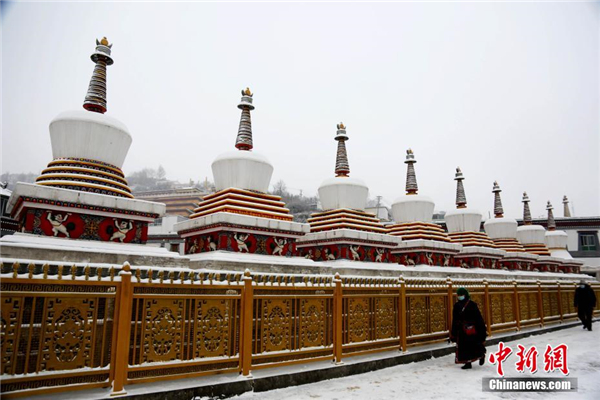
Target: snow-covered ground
column 440, row 378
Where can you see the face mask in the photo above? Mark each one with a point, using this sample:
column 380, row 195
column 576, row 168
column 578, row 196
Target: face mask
column 461, row 298
column 582, row 286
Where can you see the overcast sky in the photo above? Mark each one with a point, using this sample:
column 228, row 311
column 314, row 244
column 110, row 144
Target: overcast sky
column 507, row 91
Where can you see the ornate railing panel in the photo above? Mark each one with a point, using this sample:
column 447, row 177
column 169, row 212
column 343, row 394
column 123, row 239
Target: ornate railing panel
column 370, row 315
column 183, row 323
column 292, row 319
column 59, row 330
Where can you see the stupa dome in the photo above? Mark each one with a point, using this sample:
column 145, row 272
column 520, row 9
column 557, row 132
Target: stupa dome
column 343, row 192
column 89, row 147
column 243, row 169
column 531, row 234
column 556, row 241
column 500, row 227
column 412, row 207
column 90, row 136
column 463, row 220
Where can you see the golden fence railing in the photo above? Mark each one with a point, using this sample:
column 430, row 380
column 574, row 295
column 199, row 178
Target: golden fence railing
column 57, row 326
column 370, row 315
column 428, row 311
column 292, row 319
column 103, row 326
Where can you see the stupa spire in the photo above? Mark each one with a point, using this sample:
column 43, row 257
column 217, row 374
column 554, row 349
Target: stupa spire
column 526, row 211
column 95, row 99
column 551, row 222
column 461, row 198
column 567, row 212
column 342, row 168
column 244, row 136
column 411, row 177
column 498, row 210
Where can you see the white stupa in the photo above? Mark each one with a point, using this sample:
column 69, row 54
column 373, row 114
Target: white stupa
column 464, row 227
column 503, row 232
column 342, row 191
column 532, row 237
column 344, row 229
column 85, row 176
column 241, row 216
column 423, row 242
column 415, row 207
column 82, row 197
column 556, row 240
column 245, row 168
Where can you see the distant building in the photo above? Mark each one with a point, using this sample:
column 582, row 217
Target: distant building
column 161, row 233
column 381, row 212
column 583, row 241
column 439, row 216
column 178, row 201
column 7, row 224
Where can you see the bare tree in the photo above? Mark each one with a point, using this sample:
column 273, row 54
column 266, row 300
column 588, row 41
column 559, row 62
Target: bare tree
column 161, row 173
column 280, row 188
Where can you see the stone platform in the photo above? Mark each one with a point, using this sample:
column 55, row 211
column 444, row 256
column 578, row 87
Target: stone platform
column 23, row 246
column 227, row 261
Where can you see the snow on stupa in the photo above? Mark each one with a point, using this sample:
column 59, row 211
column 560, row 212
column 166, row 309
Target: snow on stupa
column 241, row 216
column 423, row 242
column 89, row 148
column 503, row 232
column 557, row 242
column 344, row 230
column 83, row 194
column 464, row 226
column 532, row 237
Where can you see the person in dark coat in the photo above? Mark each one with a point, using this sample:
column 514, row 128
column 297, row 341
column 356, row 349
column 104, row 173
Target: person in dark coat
column 468, row 330
column 585, row 301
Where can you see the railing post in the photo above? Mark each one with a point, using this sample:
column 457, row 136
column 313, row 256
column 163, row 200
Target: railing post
column 559, row 299
column 540, row 305
column 517, row 305
column 337, row 319
column 450, row 305
column 402, row 314
column 246, row 334
column 488, row 306
column 121, row 357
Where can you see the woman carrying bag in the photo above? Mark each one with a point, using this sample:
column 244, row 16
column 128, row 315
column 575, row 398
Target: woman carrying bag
column 468, row 330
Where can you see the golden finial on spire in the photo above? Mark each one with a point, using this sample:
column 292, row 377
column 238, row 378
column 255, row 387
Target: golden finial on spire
column 341, row 125
column 409, row 151
column 247, row 92
column 104, row 41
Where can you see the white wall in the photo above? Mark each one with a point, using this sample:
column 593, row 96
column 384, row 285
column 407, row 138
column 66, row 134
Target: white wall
column 166, row 226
